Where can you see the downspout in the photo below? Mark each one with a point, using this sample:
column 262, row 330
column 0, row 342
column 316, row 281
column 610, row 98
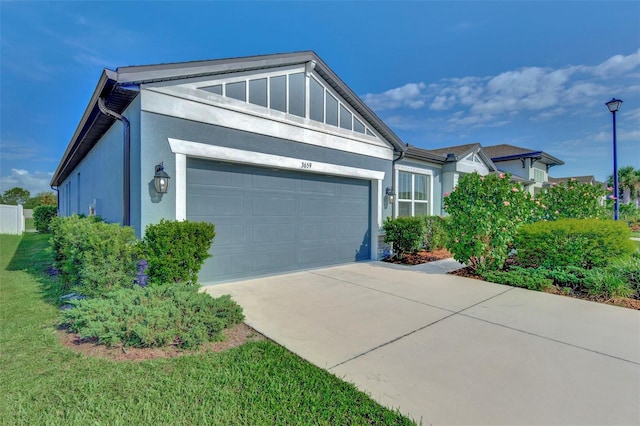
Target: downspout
column 393, row 174
column 126, row 178
column 57, row 197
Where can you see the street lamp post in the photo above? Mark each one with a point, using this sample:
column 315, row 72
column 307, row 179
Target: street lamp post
column 614, row 105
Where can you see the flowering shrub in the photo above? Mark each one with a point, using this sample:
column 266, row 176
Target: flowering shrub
column 570, row 200
column 485, row 212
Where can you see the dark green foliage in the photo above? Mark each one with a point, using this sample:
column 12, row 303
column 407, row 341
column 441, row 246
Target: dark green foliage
column 153, row 317
column 530, row 278
column 92, row 256
column 585, row 243
column 405, row 233
column 435, row 234
column 42, row 216
column 607, row 282
column 176, row 250
column 570, row 200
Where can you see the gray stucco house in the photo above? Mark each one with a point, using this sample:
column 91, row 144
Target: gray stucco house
column 288, row 163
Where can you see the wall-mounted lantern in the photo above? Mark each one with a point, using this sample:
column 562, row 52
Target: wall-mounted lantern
column 391, row 194
column 161, row 179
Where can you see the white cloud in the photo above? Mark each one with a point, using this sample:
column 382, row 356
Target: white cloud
column 33, row 182
column 410, row 95
column 534, row 92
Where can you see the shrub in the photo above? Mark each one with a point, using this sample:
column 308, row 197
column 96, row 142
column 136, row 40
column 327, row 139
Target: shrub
column 92, row 256
column 570, row 199
column 175, row 250
column 606, row 282
column 628, row 270
column 405, row 233
column 485, row 212
column 585, row 243
column 530, row 278
column 434, row 236
column 42, row 216
column 153, row 316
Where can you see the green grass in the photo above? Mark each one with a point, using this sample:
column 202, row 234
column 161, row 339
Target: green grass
column 43, row 382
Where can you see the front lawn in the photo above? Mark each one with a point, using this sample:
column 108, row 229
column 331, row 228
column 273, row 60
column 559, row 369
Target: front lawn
column 257, row 383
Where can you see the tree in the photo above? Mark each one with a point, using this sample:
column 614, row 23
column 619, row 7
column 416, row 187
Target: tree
column 628, row 180
column 15, row 196
column 41, row 199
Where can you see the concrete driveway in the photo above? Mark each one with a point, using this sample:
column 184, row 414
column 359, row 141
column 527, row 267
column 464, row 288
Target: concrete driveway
column 451, row 350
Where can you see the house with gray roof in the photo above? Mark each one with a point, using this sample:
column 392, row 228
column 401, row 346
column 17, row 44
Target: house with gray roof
column 287, row 162
column 529, row 165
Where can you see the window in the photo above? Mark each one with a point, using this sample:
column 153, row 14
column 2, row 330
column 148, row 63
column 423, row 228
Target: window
column 237, row 90
column 297, row 97
column 278, row 94
column 332, row 110
column 345, row 118
column 414, row 193
column 538, row 175
column 258, row 92
column 316, row 101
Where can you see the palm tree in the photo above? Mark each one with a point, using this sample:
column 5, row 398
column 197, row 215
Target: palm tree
column 628, row 180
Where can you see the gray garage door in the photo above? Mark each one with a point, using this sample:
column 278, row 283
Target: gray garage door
column 270, row 221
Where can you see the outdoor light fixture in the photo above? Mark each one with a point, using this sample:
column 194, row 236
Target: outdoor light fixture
column 161, row 179
column 390, row 195
column 614, row 106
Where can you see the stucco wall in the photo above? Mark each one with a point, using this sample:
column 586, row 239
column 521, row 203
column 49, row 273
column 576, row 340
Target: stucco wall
column 98, row 180
column 156, row 129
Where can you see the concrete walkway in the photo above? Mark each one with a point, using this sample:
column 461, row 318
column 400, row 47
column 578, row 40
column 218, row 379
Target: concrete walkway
column 450, row 350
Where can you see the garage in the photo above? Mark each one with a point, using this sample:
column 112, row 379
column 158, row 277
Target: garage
column 271, row 221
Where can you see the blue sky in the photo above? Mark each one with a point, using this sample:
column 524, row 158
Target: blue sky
column 531, row 74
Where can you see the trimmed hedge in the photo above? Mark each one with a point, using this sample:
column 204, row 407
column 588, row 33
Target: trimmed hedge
column 92, row 256
column 42, row 216
column 405, row 233
column 175, row 251
column 173, row 314
column 586, row 243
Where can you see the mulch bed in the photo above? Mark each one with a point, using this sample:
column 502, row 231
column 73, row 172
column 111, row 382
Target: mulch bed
column 422, row 256
column 233, row 337
column 618, row 301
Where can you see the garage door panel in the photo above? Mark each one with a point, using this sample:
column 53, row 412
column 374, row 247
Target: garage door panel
column 276, row 205
column 266, row 233
column 269, row 221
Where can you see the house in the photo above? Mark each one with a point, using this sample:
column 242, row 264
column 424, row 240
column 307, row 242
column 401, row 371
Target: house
column 422, row 177
column 288, row 162
column 530, row 167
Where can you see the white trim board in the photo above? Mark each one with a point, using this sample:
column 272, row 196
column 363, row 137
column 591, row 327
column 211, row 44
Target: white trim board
column 233, row 155
column 188, row 104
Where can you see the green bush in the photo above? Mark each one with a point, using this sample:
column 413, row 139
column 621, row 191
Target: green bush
column 585, row 243
column 405, row 233
column 607, row 282
column 42, row 216
column 530, row 278
column 176, row 250
column 484, row 214
column 435, row 234
column 92, row 256
column 570, row 200
column 156, row 316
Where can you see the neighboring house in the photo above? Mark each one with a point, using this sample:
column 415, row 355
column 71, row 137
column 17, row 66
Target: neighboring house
column 591, row 180
column 423, row 177
column 529, row 166
column 288, row 163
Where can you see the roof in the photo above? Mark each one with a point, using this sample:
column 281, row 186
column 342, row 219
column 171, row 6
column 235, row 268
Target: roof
column 120, row 87
column 424, row 154
column 458, row 150
column 582, row 179
column 507, row 152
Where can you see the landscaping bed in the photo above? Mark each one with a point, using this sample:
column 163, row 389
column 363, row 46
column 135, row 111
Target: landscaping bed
column 422, row 256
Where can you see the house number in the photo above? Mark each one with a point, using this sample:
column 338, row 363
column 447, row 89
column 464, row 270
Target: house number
column 306, row 165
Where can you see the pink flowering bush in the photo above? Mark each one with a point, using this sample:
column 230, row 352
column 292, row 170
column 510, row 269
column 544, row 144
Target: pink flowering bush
column 570, row 200
column 484, row 214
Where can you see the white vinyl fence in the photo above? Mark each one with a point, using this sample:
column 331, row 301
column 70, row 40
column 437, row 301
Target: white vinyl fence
column 11, row 219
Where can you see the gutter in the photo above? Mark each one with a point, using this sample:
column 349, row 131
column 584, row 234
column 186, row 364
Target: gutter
column 126, row 178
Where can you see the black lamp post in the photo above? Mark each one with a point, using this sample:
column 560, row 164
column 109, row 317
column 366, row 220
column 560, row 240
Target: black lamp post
column 614, row 105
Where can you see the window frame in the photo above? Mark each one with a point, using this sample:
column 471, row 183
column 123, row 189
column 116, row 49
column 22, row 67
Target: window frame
column 413, row 171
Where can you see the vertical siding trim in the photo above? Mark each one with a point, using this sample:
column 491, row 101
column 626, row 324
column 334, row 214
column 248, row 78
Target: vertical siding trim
column 181, row 186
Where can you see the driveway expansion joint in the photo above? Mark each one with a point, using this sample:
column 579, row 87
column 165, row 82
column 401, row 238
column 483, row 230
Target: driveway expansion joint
column 453, row 313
